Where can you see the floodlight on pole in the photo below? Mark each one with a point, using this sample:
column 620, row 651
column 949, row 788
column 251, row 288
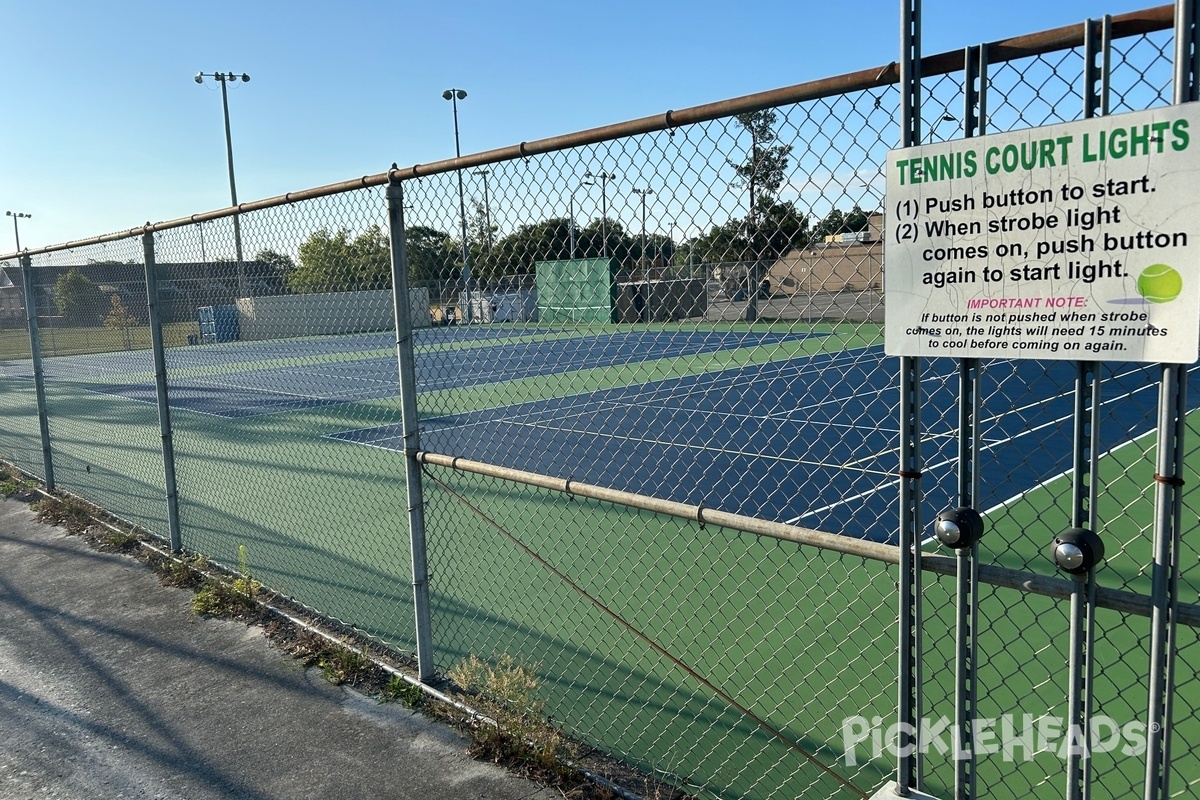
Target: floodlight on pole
column 223, row 78
column 16, row 215
column 454, row 95
column 603, row 177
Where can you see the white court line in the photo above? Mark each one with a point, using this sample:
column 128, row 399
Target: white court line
column 991, row 446
column 557, row 415
column 685, row 446
column 1016, row 410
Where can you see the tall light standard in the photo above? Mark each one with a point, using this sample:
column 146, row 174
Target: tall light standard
column 604, row 178
column 16, row 215
column 572, row 228
column 644, row 193
column 487, row 205
column 223, row 78
column 454, row 95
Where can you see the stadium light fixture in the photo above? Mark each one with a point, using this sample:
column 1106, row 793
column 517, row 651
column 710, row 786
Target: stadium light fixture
column 16, row 215
column 454, row 95
column 223, row 78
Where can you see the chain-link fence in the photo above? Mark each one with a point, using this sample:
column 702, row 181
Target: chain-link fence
column 615, row 407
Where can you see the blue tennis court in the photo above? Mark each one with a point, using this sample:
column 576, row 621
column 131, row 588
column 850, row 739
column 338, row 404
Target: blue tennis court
column 242, row 389
column 797, row 441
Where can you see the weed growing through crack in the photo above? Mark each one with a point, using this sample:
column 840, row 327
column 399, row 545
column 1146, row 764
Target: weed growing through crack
column 216, row 598
column 338, row 664
column 246, row 583
column 507, row 691
column 401, row 691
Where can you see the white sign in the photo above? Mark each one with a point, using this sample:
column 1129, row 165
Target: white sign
column 1073, row 241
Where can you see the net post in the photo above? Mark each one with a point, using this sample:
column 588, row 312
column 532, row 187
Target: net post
column 410, row 430
column 160, row 391
column 39, row 376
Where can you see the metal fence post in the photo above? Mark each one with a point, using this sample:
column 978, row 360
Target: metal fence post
column 1164, row 595
column 1168, row 485
column 160, row 389
column 410, row 428
column 39, row 378
column 967, row 575
column 1085, row 458
column 909, row 721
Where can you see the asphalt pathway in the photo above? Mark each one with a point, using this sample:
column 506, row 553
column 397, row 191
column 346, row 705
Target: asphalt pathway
column 110, row 687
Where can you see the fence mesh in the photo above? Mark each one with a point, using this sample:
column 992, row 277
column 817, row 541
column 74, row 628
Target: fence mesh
column 691, row 315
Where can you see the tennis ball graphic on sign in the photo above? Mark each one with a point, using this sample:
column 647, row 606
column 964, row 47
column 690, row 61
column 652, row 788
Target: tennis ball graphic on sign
column 1159, row 283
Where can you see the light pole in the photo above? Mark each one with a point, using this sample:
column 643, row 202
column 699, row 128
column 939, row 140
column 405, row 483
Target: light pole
column 572, row 228
column 454, row 95
column 223, row 78
column 487, row 205
column 643, row 193
column 16, row 215
column 604, row 178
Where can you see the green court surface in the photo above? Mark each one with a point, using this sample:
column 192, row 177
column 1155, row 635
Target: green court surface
column 649, row 632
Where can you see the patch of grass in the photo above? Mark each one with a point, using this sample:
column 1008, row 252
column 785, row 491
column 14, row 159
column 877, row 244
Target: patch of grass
column 234, row 598
column 62, row 341
column 14, row 484
column 340, row 664
column 399, row 690
column 216, row 598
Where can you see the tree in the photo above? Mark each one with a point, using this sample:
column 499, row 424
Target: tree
column 79, row 300
column 765, row 166
column 837, row 221
column 590, row 241
column 430, row 254
column 517, row 253
column 337, row 263
column 780, row 227
column 278, row 267
column 770, row 227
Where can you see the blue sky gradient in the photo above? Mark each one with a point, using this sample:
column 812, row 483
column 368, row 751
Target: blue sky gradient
column 104, row 127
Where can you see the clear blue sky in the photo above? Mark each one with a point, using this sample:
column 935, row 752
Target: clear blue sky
column 104, row 128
